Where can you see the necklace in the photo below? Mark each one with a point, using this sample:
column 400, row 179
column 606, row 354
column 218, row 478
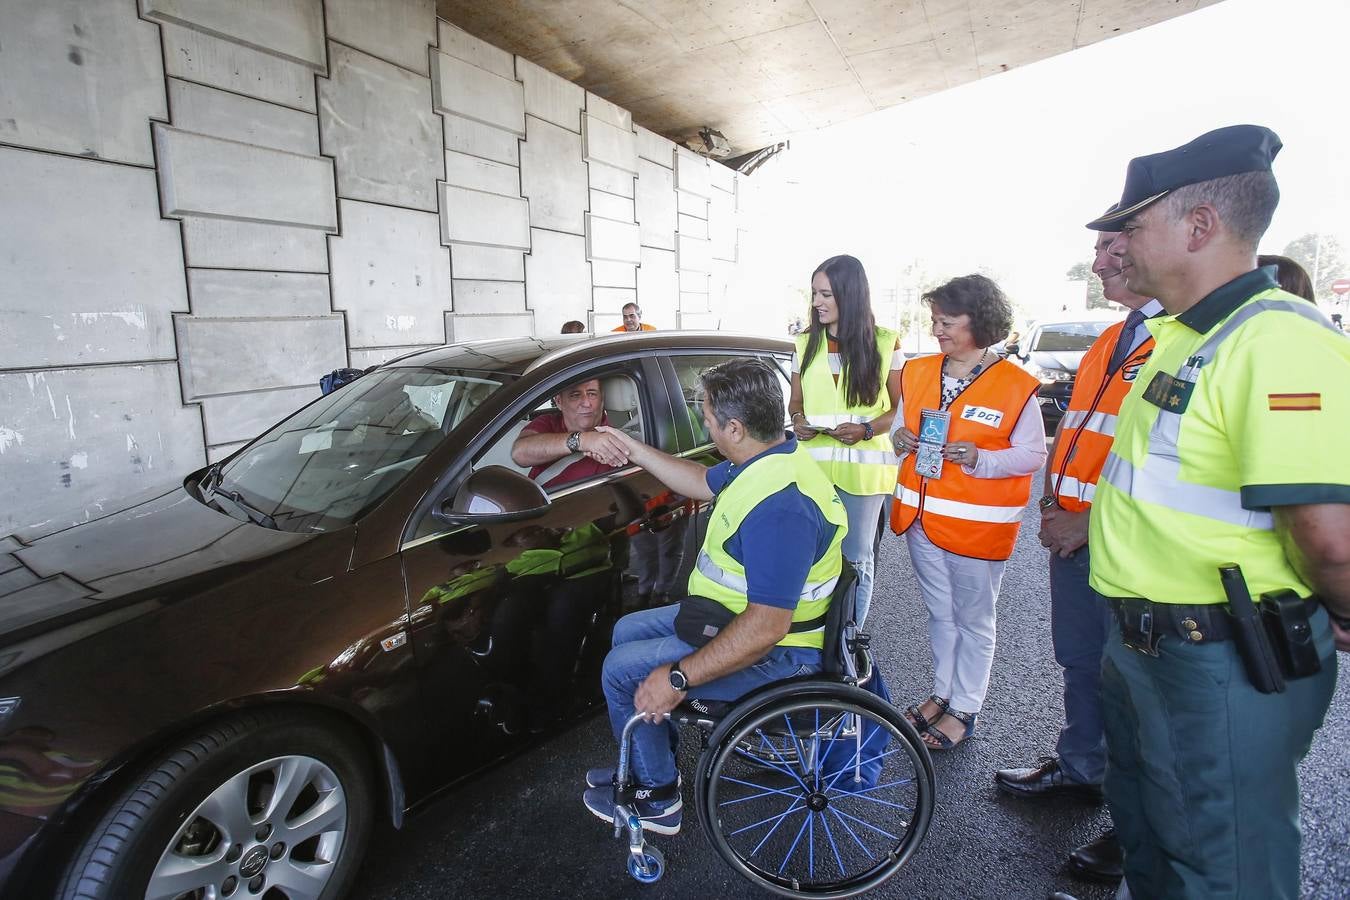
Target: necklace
column 949, row 394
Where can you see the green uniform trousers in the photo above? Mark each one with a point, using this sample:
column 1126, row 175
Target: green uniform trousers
column 1202, row 774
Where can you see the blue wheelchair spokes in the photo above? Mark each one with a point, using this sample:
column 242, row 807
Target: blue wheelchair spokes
column 816, row 795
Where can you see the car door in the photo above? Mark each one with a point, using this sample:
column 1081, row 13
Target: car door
column 510, row 621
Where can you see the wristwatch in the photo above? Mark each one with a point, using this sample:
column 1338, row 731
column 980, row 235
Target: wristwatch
column 574, row 442
column 678, row 680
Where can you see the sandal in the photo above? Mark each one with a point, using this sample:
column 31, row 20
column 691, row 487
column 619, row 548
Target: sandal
column 943, row 741
column 917, row 718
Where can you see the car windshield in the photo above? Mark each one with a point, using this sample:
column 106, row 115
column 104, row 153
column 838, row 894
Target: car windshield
column 1069, row 336
column 325, row 465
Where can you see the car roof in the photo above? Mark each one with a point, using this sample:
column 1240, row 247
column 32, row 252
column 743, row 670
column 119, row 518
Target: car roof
column 516, row 356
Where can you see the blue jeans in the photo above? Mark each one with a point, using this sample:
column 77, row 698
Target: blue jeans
column 864, row 515
column 1079, row 621
column 646, row 639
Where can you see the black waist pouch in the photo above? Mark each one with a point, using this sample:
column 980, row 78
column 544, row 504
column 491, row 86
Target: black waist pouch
column 700, row 619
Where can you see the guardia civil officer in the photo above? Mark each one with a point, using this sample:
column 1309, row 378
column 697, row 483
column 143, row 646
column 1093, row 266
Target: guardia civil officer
column 1224, row 454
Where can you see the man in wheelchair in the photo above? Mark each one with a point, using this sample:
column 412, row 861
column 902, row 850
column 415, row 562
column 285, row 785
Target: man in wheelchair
column 759, row 592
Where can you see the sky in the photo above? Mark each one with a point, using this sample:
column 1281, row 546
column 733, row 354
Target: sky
column 999, row 175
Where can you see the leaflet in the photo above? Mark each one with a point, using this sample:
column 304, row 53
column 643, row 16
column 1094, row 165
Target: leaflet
column 933, row 424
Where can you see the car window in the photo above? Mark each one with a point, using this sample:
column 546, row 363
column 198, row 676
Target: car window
column 611, row 399
column 688, row 371
column 320, row 468
column 1069, row 336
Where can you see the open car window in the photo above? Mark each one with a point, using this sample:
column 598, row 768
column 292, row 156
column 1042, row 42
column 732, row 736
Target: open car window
column 621, row 405
column 688, row 371
column 323, row 466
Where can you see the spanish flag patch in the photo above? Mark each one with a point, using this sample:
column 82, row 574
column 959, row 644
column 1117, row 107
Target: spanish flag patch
column 1295, row 401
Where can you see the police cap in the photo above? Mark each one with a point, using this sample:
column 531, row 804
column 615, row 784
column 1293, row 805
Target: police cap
column 1224, row 151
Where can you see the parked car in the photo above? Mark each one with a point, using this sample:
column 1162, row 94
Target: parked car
column 1052, row 351
column 219, row 689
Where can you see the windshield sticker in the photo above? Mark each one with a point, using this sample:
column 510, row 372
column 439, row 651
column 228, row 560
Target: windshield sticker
column 316, row 440
column 982, row 415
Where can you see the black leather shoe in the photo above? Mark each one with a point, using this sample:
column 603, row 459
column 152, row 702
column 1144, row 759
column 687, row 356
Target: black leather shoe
column 1102, row 860
column 1047, row 780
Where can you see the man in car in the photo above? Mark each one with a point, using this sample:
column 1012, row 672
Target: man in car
column 632, row 319
column 569, row 430
column 769, row 563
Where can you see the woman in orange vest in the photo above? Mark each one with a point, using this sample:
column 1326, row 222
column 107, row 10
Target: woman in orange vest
column 960, row 522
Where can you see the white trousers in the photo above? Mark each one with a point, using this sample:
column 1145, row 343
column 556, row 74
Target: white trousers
column 960, row 594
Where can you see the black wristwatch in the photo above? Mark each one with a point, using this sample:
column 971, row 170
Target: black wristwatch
column 574, row 442
column 678, row 680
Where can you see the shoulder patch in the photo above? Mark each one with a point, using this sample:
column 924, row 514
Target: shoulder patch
column 1283, row 402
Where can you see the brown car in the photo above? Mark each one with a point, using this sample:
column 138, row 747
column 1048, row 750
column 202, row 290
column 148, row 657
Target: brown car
column 219, row 689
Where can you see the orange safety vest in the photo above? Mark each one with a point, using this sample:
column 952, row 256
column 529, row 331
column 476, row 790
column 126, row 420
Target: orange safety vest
column 975, row 517
column 1090, row 421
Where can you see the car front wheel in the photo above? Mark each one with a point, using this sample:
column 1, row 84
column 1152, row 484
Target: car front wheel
column 263, row 804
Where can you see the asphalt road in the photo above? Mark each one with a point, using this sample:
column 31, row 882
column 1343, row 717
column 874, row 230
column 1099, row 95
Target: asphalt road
column 521, row 831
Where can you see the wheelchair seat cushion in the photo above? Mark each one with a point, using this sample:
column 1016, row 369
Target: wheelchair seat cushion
column 700, row 708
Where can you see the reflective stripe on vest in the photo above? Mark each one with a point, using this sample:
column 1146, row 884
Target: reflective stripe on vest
column 869, row 466
column 957, row 509
column 811, row 590
column 1100, row 422
column 1073, row 489
column 1158, row 478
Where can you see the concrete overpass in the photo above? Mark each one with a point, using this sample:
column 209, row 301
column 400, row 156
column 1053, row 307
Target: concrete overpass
column 206, row 204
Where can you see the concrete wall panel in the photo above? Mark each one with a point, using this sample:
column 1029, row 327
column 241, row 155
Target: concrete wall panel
column 613, row 274
column 656, row 205
column 463, row 170
column 391, row 275
column 611, row 240
column 691, row 173
column 481, row 328
column 604, row 143
column 487, row 263
column 694, row 282
column 553, row 177
column 232, row 244
column 693, row 227
column 609, row 299
column 209, row 176
column 557, row 279
column 693, row 302
column 476, row 139
column 221, row 114
column 550, row 97
column 376, row 120
column 224, row 293
column 612, row 206
column 722, row 225
column 691, row 204
column 89, row 272
column 697, row 321
column 721, row 178
column 478, row 217
column 290, row 29
column 464, row 89
column 225, row 356
column 398, row 31
column 242, row 417
column 94, row 95
column 654, row 148
column 490, row 297
column 693, row 254
column 611, row 180
column 461, row 45
column 85, row 437
column 201, row 57
column 658, row 286
column 605, row 111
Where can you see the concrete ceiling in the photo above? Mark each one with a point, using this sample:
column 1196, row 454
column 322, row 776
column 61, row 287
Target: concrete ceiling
column 762, row 70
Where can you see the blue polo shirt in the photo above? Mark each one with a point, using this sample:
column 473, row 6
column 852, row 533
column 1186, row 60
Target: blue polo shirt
column 779, row 540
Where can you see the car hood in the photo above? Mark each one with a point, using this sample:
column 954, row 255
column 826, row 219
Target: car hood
column 1068, row 360
column 156, row 542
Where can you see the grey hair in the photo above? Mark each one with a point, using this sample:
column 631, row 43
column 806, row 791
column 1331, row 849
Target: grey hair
column 1245, row 202
column 749, row 390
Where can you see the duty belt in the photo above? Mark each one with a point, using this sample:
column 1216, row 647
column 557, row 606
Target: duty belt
column 1192, row 623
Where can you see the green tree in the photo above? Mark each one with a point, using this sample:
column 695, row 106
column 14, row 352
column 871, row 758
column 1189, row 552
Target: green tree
column 1323, row 258
column 1083, row 272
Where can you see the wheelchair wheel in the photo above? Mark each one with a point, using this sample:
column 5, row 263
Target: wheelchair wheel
column 654, row 860
column 838, row 814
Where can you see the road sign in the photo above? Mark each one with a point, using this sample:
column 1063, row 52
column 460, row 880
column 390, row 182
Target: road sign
column 1341, row 286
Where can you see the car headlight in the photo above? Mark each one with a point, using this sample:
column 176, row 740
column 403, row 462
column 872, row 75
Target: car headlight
column 1049, row 376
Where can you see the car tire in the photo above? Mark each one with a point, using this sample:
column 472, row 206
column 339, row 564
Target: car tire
column 209, row 812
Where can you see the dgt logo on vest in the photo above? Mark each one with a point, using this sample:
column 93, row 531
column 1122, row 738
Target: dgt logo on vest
column 982, row 415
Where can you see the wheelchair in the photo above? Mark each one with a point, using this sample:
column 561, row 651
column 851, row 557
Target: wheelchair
column 808, row 787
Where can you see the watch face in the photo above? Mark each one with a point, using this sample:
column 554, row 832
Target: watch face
column 678, row 680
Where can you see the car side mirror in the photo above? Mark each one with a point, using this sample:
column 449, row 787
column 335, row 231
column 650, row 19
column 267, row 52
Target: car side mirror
column 493, row 494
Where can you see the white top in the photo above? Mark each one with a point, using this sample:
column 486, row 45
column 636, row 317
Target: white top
column 1025, row 456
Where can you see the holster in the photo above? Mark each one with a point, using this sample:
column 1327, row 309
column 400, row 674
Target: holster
column 1258, row 657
